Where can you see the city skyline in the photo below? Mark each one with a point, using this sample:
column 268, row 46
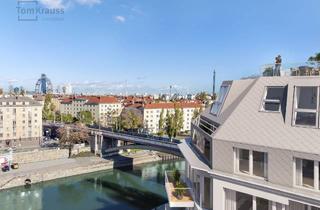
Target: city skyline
column 148, row 46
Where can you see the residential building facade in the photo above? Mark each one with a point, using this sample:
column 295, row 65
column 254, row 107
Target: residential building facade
column 257, row 147
column 20, row 122
column 152, row 112
column 101, row 107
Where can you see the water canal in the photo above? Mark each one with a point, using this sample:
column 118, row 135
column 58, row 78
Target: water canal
column 141, row 187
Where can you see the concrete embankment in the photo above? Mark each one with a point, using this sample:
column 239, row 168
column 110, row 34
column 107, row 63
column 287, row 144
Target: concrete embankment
column 59, row 168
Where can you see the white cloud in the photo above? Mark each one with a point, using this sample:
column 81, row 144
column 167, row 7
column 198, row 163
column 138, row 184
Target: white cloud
column 53, row 3
column 88, row 2
column 66, row 3
column 120, row 19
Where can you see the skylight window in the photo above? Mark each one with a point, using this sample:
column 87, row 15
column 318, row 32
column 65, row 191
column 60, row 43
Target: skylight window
column 273, row 99
column 217, row 105
column 305, row 106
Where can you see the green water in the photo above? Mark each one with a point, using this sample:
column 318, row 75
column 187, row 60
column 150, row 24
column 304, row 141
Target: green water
column 120, row 189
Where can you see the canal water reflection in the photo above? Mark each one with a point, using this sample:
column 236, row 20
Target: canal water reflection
column 118, row 189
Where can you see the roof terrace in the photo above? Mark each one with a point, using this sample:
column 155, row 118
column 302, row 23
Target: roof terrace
column 310, row 68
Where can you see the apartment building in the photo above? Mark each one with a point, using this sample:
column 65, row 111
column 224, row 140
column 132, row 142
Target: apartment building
column 152, row 111
column 101, row 107
column 257, row 147
column 20, row 122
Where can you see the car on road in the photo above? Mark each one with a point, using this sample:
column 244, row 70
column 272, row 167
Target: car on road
column 5, row 168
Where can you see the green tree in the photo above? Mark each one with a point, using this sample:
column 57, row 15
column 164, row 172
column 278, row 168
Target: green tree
column 131, row 119
column 316, row 57
column 69, row 136
column 196, row 113
column 46, row 112
column 203, row 96
column 178, row 119
column 161, row 123
column 170, row 127
column 85, row 117
column 66, row 118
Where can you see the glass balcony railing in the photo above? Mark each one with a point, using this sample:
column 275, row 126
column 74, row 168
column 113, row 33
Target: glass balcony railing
column 311, row 68
column 178, row 190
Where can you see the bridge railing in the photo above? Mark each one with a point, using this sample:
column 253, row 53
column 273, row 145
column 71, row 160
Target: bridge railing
column 126, row 133
column 135, row 134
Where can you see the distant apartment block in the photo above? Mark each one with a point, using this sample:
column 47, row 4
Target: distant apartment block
column 152, row 111
column 257, row 147
column 20, row 122
column 101, row 107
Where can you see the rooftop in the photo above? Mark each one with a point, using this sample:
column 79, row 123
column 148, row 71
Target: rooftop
column 18, row 101
column 172, row 105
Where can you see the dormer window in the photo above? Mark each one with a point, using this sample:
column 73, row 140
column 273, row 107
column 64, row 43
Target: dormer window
column 217, row 105
column 306, row 106
column 273, row 98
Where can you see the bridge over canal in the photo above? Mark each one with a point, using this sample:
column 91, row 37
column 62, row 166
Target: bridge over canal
column 107, row 141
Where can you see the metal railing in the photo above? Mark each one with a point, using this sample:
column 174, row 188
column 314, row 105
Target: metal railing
column 310, row 68
column 123, row 133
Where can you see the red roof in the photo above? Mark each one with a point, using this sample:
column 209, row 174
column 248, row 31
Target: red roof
column 94, row 99
column 171, row 105
column 100, row 99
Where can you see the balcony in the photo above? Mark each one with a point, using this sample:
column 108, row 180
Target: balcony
column 178, row 192
column 311, row 68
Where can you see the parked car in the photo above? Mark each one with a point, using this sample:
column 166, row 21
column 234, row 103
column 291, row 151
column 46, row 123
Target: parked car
column 15, row 166
column 5, row 168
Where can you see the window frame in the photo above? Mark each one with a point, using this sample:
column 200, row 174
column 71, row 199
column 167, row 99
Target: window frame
column 265, row 100
column 220, row 101
column 236, row 151
column 296, row 109
column 316, row 175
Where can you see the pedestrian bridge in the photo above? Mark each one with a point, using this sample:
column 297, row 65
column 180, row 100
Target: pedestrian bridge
column 136, row 140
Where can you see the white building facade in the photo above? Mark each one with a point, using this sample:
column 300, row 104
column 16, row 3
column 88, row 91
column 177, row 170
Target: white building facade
column 152, row 112
column 20, row 122
column 257, row 147
column 101, row 107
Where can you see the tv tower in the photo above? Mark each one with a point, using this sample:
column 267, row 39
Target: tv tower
column 214, row 83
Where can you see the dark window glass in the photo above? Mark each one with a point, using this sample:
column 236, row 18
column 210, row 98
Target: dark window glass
column 262, row 204
column 271, row 106
column 306, row 118
column 207, row 194
column 307, row 97
column 259, row 163
column 243, row 201
column 244, row 160
column 275, row 93
column 207, row 149
column 274, row 98
column 308, row 173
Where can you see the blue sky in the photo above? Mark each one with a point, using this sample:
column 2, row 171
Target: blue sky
column 153, row 44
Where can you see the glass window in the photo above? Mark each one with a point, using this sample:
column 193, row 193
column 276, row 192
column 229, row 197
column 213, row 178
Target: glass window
column 308, row 173
column 243, row 201
column 207, row 149
column 306, row 118
column 273, row 98
column 262, row 204
column 216, row 106
column 207, row 193
column 259, row 163
column 244, row 161
column 306, row 97
column 305, row 107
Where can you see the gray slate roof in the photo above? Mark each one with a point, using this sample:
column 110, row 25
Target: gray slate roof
column 244, row 123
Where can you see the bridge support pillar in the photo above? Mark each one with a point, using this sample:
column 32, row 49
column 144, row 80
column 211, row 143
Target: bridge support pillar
column 95, row 143
column 101, row 145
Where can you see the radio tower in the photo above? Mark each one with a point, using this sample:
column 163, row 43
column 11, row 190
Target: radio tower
column 214, row 83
